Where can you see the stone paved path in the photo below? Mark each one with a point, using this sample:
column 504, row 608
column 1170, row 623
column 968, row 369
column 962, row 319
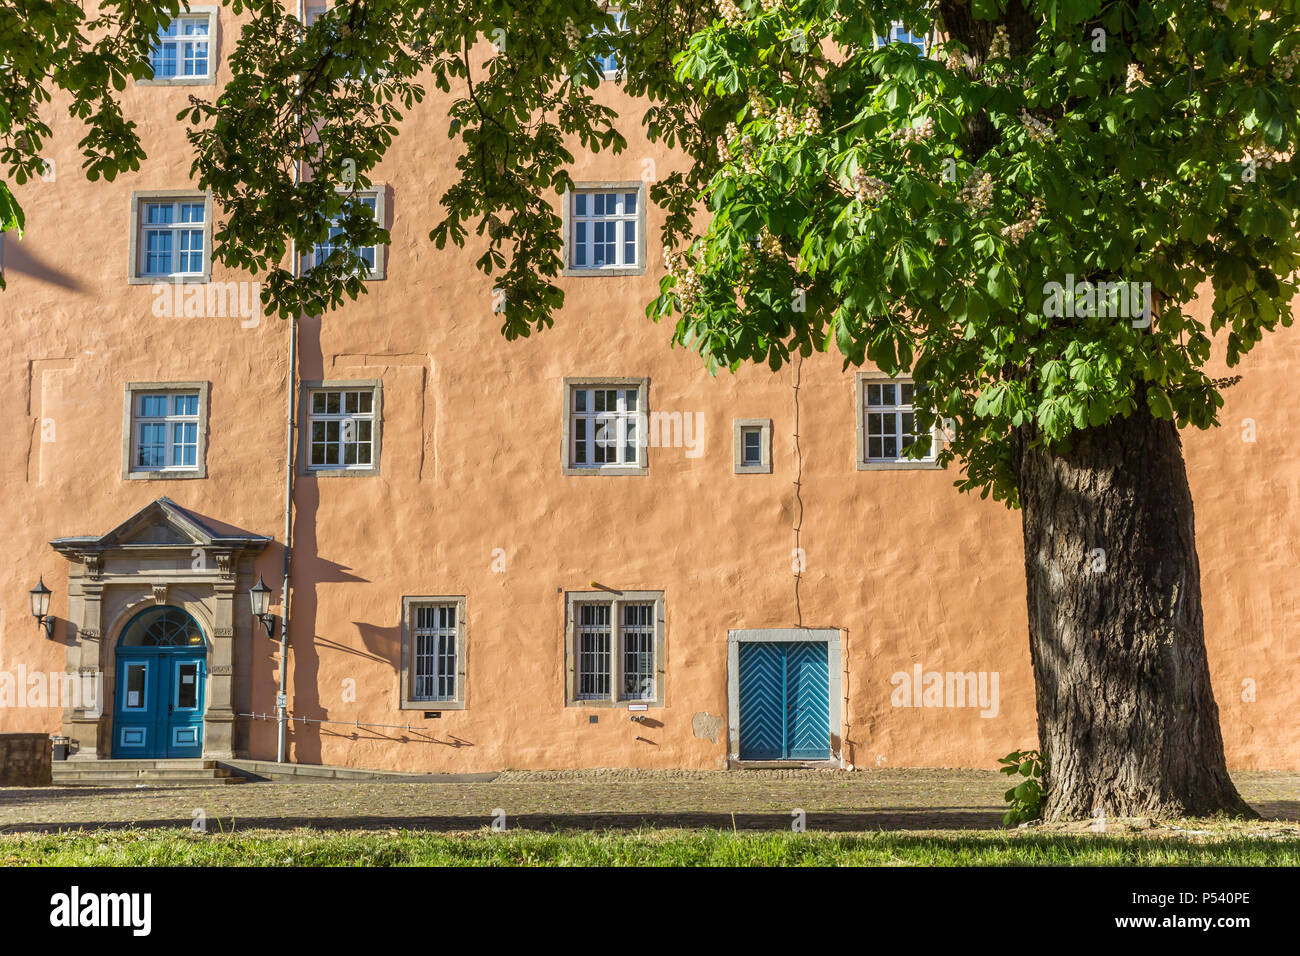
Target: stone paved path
column 833, row 800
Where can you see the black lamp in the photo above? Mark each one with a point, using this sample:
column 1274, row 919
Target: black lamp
column 41, row 607
column 259, row 596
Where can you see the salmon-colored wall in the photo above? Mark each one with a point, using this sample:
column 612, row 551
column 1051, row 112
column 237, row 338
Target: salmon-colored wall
column 910, row 570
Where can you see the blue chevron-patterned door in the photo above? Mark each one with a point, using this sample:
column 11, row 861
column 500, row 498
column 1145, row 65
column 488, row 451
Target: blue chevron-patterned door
column 762, row 701
column 784, row 701
column 807, row 694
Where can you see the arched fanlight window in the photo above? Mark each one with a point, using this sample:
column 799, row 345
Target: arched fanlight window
column 162, row 627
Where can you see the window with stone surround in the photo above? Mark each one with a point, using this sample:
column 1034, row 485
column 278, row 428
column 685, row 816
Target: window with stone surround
column 342, row 428
column 165, row 430
column 433, row 653
column 605, row 420
column 171, row 237
column 605, row 229
column 615, row 648
column 185, row 51
column 752, row 441
column 887, row 423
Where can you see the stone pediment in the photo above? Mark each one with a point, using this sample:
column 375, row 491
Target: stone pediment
column 162, row 524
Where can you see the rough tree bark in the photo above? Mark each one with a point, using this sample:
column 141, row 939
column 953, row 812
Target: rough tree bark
column 1126, row 716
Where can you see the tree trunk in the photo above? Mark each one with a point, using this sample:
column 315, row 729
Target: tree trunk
column 1127, row 721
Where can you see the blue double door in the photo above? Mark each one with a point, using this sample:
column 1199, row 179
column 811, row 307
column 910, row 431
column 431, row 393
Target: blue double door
column 158, row 702
column 784, row 701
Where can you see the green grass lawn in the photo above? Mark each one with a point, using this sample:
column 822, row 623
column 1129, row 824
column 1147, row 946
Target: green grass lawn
column 636, row 848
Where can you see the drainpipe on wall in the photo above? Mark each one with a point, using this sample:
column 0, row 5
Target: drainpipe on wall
column 282, row 699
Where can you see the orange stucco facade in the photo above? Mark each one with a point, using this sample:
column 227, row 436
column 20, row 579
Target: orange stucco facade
column 471, row 499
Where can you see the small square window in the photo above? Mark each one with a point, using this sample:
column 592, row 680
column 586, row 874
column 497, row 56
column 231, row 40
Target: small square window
column 341, row 433
column 753, row 446
column 165, row 430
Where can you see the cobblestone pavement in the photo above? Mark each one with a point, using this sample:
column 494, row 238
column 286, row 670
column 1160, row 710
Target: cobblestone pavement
column 755, row 799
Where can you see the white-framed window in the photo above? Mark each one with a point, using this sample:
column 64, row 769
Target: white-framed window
column 433, row 653
column 172, row 235
column 165, row 430
column 900, row 34
column 605, row 426
column 372, row 255
column 616, row 647
column 610, row 67
column 342, row 434
column 184, row 52
column 606, row 230
column 887, row 423
column 181, row 48
column 753, row 446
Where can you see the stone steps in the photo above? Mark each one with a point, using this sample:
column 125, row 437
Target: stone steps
column 153, row 773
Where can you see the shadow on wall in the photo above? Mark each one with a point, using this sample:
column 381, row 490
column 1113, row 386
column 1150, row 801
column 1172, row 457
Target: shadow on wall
column 21, row 259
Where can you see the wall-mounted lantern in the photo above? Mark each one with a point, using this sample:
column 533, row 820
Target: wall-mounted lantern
column 259, row 595
column 41, row 608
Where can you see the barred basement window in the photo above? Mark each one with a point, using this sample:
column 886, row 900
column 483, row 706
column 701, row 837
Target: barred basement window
column 593, row 650
column 615, row 647
column 433, row 653
column 638, row 651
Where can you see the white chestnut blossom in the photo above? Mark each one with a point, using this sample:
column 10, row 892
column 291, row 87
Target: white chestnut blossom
column 1289, row 62
column 730, row 13
column 1257, row 156
column 868, row 190
column 911, row 134
column 689, row 287
column 977, row 193
column 1038, row 131
column 1000, row 47
column 1018, row 230
column 769, row 245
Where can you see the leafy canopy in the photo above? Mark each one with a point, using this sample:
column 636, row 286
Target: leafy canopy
column 915, row 212
column 53, row 45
